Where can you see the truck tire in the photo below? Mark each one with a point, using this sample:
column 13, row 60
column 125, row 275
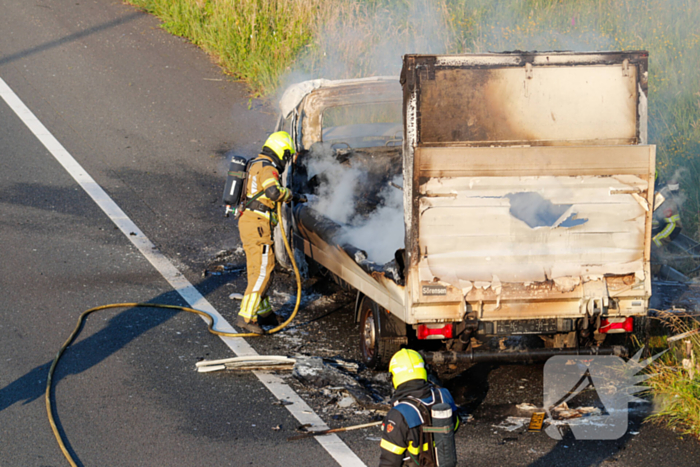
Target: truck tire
column 376, row 347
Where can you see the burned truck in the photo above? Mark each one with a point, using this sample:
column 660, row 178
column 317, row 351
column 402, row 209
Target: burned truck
column 525, row 193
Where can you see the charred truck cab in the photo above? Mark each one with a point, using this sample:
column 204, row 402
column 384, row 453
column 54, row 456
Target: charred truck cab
column 527, row 201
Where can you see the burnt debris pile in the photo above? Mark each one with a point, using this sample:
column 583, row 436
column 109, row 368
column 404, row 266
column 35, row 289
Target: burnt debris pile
column 344, row 382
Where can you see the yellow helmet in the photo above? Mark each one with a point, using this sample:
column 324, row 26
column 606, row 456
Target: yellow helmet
column 281, row 144
column 405, row 365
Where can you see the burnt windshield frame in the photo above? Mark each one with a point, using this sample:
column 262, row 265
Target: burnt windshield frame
column 363, row 137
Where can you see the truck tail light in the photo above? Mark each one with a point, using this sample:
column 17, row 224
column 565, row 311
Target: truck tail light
column 432, row 331
column 616, row 325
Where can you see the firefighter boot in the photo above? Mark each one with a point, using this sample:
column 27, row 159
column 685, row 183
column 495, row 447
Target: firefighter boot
column 265, row 315
column 250, row 326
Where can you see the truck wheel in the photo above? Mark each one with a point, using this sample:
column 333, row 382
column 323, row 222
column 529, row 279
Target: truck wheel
column 376, row 352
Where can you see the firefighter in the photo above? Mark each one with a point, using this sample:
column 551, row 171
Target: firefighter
column 666, row 221
column 413, row 398
column 255, row 226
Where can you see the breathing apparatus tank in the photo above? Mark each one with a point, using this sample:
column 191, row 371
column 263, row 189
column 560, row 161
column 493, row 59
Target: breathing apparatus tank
column 235, row 182
column 443, row 432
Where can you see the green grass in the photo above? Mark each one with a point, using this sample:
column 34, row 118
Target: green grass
column 253, row 40
column 675, row 387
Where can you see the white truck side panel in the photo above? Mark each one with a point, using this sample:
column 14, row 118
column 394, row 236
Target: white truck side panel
column 527, row 189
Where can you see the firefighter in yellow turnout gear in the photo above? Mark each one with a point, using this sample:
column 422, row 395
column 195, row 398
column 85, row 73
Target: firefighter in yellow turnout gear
column 255, row 227
column 666, row 221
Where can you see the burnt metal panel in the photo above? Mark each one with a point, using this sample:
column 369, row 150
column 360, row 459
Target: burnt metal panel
column 317, row 101
column 487, row 212
column 549, row 98
column 521, row 120
column 319, row 237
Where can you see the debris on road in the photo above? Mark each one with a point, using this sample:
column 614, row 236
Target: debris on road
column 511, row 424
column 526, row 407
column 283, row 402
column 303, row 428
column 314, row 371
column 223, row 262
column 346, row 402
column 559, row 415
column 221, row 269
column 327, row 373
column 563, row 412
column 262, row 362
column 281, row 297
column 333, row 430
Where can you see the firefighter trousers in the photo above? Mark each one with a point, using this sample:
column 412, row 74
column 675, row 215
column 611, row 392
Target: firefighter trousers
column 256, row 236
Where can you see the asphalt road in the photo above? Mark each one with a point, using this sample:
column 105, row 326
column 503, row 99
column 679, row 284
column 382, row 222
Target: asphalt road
column 151, row 119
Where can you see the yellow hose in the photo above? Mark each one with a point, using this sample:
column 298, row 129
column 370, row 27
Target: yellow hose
column 210, row 326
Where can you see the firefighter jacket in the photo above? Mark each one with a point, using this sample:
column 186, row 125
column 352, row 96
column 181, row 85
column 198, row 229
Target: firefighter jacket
column 264, row 177
column 401, row 428
column 255, row 228
column 666, row 221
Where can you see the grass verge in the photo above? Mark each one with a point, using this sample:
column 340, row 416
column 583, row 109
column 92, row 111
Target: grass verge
column 675, row 383
column 253, row 40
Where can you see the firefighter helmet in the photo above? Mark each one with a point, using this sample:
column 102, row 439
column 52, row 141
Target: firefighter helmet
column 406, row 365
column 280, row 143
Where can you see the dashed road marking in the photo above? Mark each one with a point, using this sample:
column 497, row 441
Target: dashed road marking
column 299, row 409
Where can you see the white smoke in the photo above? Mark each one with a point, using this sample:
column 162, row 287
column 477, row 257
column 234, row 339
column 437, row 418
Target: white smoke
column 381, row 232
column 361, row 40
column 337, row 190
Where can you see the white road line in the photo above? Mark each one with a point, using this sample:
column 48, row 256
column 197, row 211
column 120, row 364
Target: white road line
column 299, row 409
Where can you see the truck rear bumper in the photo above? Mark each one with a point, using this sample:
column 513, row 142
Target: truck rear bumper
column 526, row 356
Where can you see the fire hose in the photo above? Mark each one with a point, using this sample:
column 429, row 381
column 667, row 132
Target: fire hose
column 207, row 317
